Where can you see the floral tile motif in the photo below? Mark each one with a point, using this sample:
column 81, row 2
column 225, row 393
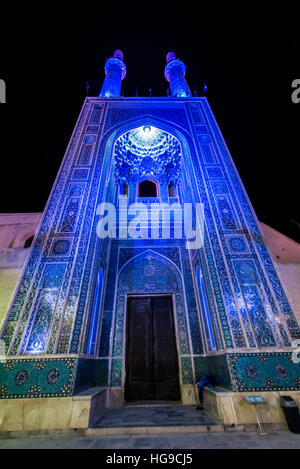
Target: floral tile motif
column 54, row 298
column 264, row 371
column 37, row 377
column 186, row 371
column 116, row 372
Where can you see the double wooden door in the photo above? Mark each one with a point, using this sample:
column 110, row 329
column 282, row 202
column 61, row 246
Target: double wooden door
column 151, row 354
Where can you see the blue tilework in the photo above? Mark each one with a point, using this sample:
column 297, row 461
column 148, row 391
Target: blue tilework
column 264, row 372
column 40, row 377
column 248, row 305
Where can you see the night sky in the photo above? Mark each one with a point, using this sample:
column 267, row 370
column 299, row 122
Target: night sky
column 244, row 54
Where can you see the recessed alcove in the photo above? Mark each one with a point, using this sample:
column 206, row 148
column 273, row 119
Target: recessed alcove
column 147, row 188
column 147, row 151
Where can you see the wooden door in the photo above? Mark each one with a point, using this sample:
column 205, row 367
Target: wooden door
column 151, row 355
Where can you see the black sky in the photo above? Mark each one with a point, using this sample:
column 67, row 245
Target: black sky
column 246, row 55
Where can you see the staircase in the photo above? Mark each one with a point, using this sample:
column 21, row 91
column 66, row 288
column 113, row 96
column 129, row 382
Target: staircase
column 158, row 418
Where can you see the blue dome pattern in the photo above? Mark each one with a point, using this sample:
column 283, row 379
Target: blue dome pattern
column 147, row 151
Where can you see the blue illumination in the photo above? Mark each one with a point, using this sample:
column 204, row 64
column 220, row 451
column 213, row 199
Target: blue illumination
column 41, row 328
column 37, row 346
column 147, row 151
column 95, row 314
column 228, row 298
column 174, row 73
column 204, row 304
column 115, row 72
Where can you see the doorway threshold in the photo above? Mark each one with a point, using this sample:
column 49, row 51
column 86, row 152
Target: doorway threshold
column 150, row 403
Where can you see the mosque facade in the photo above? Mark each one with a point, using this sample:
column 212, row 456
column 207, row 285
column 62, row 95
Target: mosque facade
column 148, row 269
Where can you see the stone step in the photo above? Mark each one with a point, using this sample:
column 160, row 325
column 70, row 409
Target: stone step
column 149, row 416
column 166, row 429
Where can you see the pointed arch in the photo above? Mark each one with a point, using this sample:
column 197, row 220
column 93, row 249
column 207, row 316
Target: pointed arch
column 155, row 254
column 114, row 132
column 147, row 188
column 172, row 127
column 150, row 279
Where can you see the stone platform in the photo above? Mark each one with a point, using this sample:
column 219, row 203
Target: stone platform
column 157, row 418
column 52, row 413
column 99, row 411
column 231, row 408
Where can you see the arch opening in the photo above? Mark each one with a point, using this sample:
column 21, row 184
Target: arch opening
column 147, row 188
column 28, row 242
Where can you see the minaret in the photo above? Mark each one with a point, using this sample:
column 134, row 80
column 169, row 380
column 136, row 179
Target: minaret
column 115, row 71
column 174, row 73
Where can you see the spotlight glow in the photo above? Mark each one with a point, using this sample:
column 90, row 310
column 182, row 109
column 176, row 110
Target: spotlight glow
column 147, row 133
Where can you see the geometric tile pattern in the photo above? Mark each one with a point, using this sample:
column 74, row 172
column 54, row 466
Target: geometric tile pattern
column 264, row 371
column 50, row 311
column 147, row 273
column 37, row 377
column 255, row 371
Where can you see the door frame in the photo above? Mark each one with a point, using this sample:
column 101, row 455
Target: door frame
column 125, row 355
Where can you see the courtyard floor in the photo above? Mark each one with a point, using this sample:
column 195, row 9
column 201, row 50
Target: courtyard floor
column 222, row 440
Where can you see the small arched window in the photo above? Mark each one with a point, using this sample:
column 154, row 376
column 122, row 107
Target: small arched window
column 147, row 189
column 171, row 189
column 28, row 242
column 124, row 189
column 205, row 308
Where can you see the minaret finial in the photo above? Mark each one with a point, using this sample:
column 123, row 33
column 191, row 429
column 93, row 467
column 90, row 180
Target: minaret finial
column 115, row 71
column 174, row 73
